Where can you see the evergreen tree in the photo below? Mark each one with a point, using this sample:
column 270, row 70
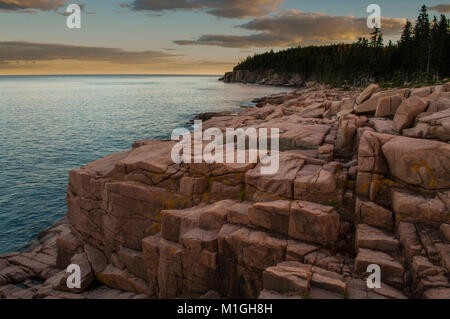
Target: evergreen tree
column 405, row 50
column 422, row 40
column 376, row 38
column 407, row 33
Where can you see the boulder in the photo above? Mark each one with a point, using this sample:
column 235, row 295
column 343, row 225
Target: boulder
column 87, row 275
column 134, row 212
column 121, row 279
column 323, row 185
column 347, row 104
column 68, row 245
column 383, row 126
column 39, row 268
column 345, row 138
column 391, row 269
column 303, row 137
column 238, row 213
column 250, row 248
column 215, row 216
column 176, row 222
column 297, row 250
column 436, row 126
column 407, row 112
column 199, row 239
column 313, row 222
column 154, row 156
column 271, row 216
column 96, row 258
column 376, row 239
column 419, row 162
column 133, row 261
column 221, row 191
column 367, row 93
column 421, row 130
column 326, row 152
column 280, row 183
column 13, row 274
column 336, row 106
column 421, row 92
column 388, row 105
column 193, row 185
column 288, row 278
column 374, row 215
column 439, row 104
column 313, row 111
column 416, row 208
column 328, row 280
column 422, row 267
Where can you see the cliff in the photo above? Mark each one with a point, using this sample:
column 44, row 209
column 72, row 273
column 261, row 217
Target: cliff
column 364, row 179
column 267, row 77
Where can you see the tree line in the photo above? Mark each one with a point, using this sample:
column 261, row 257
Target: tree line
column 421, row 55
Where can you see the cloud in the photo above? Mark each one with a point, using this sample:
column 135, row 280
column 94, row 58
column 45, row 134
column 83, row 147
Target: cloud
column 316, row 25
column 442, row 8
column 235, row 41
column 220, row 8
column 19, row 11
column 27, row 51
column 82, row 7
column 25, row 5
column 294, row 26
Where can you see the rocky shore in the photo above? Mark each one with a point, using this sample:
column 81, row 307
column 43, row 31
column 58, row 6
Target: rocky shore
column 364, row 179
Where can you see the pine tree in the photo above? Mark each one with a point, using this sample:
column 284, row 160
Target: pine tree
column 422, row 28
column 422, row 40
column 380, row 41
column 434, row 44
column 407, row 33
column 376, row 38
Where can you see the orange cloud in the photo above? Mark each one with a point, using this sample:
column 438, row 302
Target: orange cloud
column 221, row 8
column 44, row 5
column 442, row 8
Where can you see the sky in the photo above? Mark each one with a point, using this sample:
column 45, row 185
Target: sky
column 180, row 36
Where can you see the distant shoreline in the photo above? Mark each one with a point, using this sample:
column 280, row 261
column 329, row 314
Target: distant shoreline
column 180, row 75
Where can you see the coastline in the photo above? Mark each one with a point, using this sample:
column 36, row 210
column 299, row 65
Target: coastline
column 200, row 116
column 328, row 162
column 130, row 109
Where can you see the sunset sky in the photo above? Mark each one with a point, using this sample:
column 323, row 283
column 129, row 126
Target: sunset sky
column 179, row 36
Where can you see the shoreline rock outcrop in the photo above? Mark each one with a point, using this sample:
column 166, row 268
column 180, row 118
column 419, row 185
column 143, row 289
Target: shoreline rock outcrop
column 267, row 77
column 363, row 179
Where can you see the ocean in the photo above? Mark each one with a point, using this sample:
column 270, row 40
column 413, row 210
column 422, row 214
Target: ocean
column 52, row 124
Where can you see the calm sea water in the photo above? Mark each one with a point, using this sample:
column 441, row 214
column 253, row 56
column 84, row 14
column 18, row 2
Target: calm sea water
column 52, row 124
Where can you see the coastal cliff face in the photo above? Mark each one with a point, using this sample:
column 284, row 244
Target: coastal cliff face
column 266, row 77
column 364, row 179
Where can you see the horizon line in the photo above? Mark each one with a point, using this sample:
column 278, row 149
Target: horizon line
column 115, row 74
